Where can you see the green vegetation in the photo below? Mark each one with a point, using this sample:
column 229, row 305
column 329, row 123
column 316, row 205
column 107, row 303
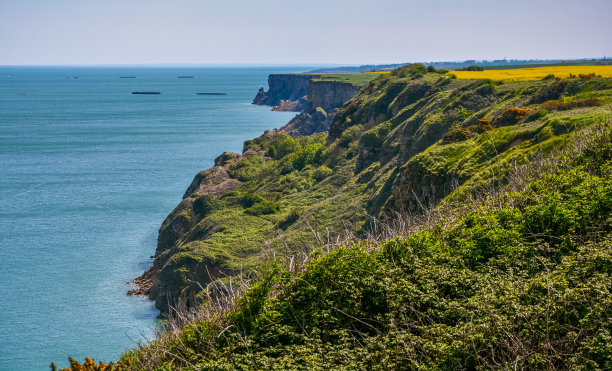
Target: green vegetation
column 475, row 241
column 406, row 141
column 521, row 279
column 358, row 79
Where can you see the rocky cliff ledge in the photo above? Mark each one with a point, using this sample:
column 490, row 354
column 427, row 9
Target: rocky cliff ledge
column 330, row 94
column 285, row 87
column 297, row 93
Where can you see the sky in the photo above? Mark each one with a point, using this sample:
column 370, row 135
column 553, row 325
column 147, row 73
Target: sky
column 316, row 32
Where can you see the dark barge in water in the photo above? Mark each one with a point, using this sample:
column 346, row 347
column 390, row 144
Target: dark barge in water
column 146, row 92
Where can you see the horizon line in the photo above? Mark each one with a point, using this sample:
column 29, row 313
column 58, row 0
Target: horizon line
column 604, row 58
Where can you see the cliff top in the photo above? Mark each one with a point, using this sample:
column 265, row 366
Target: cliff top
column 358, row 79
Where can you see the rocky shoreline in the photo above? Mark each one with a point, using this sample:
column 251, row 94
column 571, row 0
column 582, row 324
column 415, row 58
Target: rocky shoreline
column 317, row 103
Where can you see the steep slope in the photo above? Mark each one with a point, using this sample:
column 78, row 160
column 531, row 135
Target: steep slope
column 521, row 279
column 406, row 141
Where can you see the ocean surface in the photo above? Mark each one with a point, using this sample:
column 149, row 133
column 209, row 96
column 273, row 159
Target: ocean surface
column 88, row 172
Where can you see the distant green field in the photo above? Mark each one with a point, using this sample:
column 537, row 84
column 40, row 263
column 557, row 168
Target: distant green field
column 359, row 79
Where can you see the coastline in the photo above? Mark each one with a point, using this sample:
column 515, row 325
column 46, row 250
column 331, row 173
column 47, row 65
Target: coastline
column 312, row 118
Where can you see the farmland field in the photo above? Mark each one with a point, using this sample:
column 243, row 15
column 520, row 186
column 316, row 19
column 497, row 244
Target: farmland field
column 528, row 74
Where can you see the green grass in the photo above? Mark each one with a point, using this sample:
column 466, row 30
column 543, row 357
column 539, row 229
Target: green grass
column 358, row 79
column 520, row 279
column 384, row 156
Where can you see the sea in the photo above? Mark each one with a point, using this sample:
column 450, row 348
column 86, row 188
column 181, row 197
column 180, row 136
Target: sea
column 88, row 172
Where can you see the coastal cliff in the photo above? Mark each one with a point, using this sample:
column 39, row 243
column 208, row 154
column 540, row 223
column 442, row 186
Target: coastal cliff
column 285, row 87
column 317, row 108
column 330, row 94
column 304, row 92
column 406, row 141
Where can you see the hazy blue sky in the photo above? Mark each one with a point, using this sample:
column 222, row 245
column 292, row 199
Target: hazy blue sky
column 299, row 32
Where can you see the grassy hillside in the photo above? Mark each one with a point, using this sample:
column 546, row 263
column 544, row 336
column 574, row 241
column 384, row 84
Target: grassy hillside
column 521, row 279
column 478, row 216
column 404, row 143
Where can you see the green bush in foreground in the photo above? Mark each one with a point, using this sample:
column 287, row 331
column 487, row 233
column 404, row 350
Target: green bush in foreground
column 523, row 281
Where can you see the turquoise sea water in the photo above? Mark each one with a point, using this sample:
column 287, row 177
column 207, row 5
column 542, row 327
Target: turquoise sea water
column 88, row 172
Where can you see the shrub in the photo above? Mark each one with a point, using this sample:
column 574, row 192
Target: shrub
column 287, row 146
column 536, row 115
column 412, row 70
column 588, row 76
column 349, row 135
column 249, row 199
column 310, row 154
column 264, row 207
column 486, row 89
column 471, row 68
column 287, row 169
column 456, row 135
column 291, row 218
column 512, row 116
column 295, row 181
column 483, row 125
column 271, row 152
column 257, row 205
column 203, row 205
column 321, row 173
column 247, row 169
column 461, row 134
column 564, row 106
column 548, row 92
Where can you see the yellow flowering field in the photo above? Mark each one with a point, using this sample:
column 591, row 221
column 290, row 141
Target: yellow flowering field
column 527, row 74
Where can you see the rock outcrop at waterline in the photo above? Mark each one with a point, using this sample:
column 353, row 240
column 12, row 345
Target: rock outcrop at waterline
column 161, row 282
column 288, row 87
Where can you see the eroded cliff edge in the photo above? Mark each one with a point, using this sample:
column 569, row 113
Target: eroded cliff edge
column 304, row 92
column 316, row 100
